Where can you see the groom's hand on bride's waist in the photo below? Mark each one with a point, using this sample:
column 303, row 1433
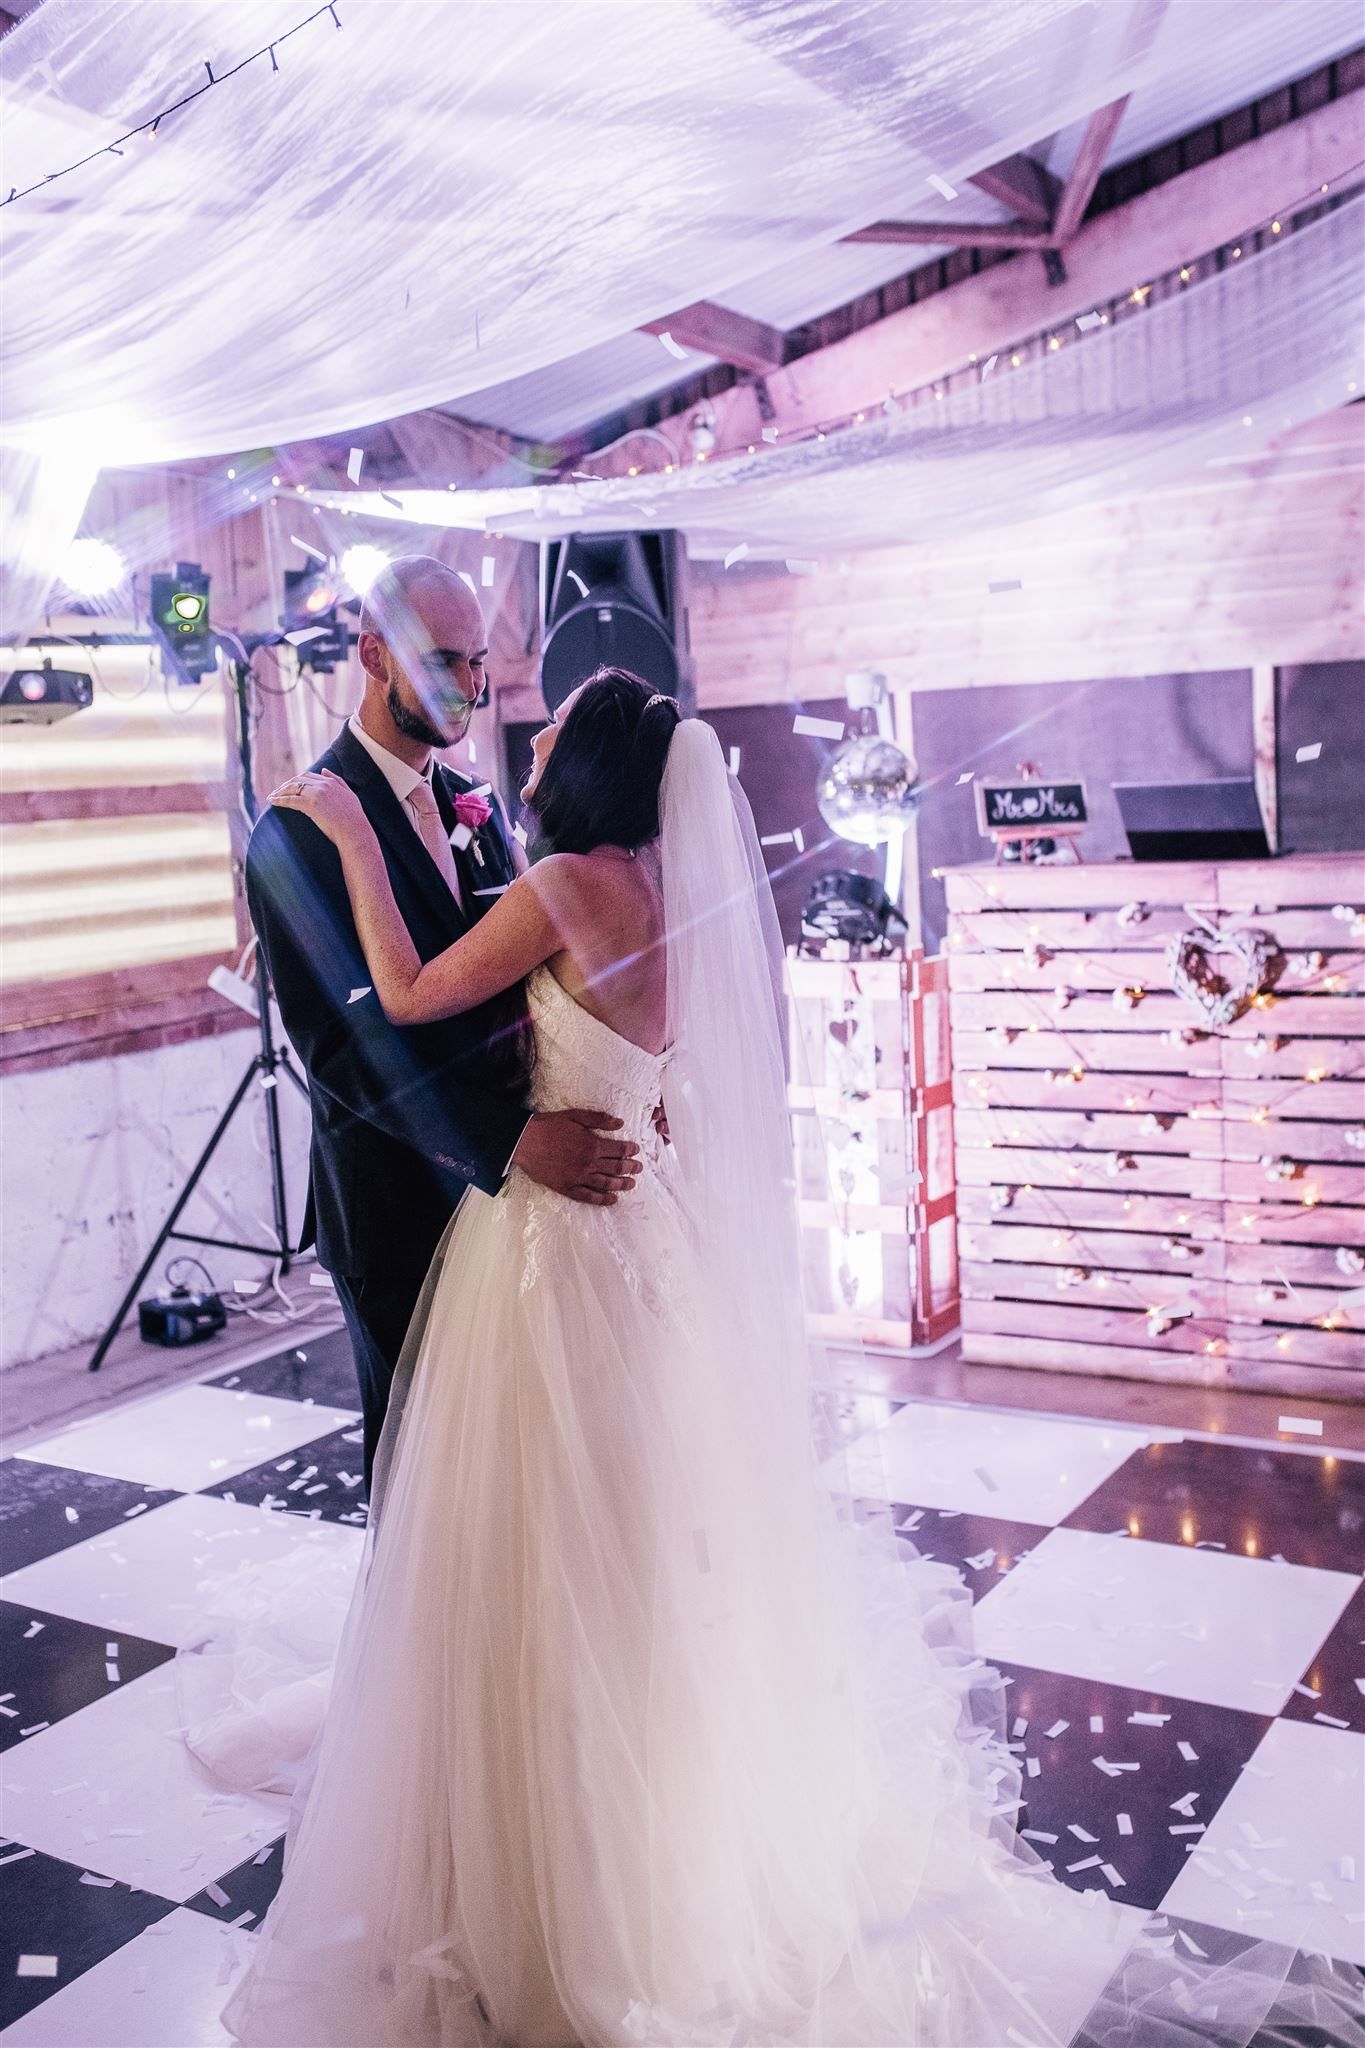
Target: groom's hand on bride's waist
column 575, row 1152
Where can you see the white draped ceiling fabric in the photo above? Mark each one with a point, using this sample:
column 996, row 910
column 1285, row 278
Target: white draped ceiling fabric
column 420, row 198
column 1219, row 369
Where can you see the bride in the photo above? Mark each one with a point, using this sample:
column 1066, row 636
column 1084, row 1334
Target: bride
column 638, row 1733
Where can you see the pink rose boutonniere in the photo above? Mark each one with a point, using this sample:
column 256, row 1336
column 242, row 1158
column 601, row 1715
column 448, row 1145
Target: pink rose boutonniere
column 473, row 811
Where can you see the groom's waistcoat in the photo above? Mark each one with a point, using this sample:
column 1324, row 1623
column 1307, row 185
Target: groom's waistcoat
column 403, row 1119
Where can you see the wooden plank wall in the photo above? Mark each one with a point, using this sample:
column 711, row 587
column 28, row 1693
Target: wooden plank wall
column 1133, row 1203
column 1242, row 563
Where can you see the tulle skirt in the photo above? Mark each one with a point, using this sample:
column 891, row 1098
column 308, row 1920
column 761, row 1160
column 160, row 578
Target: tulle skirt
column 636, row 1735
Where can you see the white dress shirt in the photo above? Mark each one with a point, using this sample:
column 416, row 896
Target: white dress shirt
column 401, row 777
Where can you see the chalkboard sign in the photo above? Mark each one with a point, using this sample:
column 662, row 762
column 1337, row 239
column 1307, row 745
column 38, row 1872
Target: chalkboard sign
column 1022, row 810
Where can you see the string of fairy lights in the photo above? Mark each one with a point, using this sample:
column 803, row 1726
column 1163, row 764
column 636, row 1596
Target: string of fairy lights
column 1163, row 1109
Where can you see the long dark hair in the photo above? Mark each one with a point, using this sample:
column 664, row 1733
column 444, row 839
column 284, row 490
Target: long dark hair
column 600, row 786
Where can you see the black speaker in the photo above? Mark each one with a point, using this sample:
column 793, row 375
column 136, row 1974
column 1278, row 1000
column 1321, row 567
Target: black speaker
column 616, row 599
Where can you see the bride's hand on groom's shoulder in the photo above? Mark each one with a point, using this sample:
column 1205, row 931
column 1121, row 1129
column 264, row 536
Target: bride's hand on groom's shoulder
column 330, row 803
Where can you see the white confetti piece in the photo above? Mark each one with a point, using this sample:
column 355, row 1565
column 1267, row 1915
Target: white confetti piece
column 357, row 993
column 1189, row 1752
column 353, row 463
column 777, row 839
column 1037, row 1835
column 675, row 348
column 737, row 554
column 1148, row 1720
column 461, row 837
column 1185, row 1804
column 468, row 581
column 501, row 890
column 1331, row 1720
column 138, row 1508
column 1186, row 1827
column 487, row 570
column 264, row 1855
column 111, row 1672
column 1124, row 1822
column 797, row 567
column 988, row 366
column 1085, row 321
column 36, row 1728
column 90, row 1877
column 36, row 1966
column 1032, row 1766
column 941, row 186
column 966, row 776
column 1097, row 1724
column 1309, row 753
column 734, row 760
column 999, row 589
column 16, row 1856
column 519, row 834
column 1081, row 1834
column 817, row 728
column 1299, row 1425
column 1057, row 1728
column 34, row 1628
column 1086, row 1863
column 1307, row 1692
column 217, row 1894
column 1108, row 1871
column 72, row 1514
column 320, row 1280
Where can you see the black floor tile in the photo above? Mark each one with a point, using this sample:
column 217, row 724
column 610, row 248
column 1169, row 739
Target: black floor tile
column 320, row 1369
column 1336, row 1674
column 1068, row 1789
column 247, row 1889
column 52, row 1666
column 311, row 1480
column 982, row 1547
column 46, row 1508
column 46, row 1910
column 1306, row 1508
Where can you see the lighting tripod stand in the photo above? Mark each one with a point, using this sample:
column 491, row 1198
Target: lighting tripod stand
column 266, row 1065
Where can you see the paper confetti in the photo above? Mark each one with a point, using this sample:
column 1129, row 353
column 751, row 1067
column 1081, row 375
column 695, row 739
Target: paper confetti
column 1032, row 1766
column 1108, row 1871
column 320, row 1280
column 1299, row 1425
column 737, row 554
column 970, row 772
column 468, row 581
column 34, row 1628
column 675, row 348
column 461, row 837
column 1085, row 321
column 1056, row 1729
column 1086, row 1863
column 353, row 462
column 217, row 1894
column 817, row 728
column 90, row 1877
column 486, row 570
column 307, row 548
column 1124, row 1822
column 988, row 366
column 356, row 994
column 1081, row 1834
column 72, row 1514
column 1036, row 1835
column 1097, row 1724
column 797, row 567
column 1309, row 753
column 1148, row 1720
column 942, row 186
column 734, row 760
column 999, row 589
column 36, row 1966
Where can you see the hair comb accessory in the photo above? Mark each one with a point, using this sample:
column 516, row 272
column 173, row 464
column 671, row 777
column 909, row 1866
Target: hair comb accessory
column 660, row 698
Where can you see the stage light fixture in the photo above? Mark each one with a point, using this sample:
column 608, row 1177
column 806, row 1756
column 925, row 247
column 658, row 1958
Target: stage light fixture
column 40, row 696
column 310, row 619
column 179, row 618
column 92, row 567
column 852, row 908
column 361, row 564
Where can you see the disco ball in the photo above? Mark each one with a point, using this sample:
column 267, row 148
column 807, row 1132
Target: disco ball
column 867, row 793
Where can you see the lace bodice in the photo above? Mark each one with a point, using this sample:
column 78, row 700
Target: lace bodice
column 582, row 1063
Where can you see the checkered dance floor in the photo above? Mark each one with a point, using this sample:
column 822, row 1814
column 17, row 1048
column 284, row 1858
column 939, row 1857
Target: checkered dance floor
column 1182, row 1622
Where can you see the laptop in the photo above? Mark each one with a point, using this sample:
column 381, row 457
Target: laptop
column 1215, row 820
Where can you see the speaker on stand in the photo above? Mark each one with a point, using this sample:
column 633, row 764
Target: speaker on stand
column 618, row 600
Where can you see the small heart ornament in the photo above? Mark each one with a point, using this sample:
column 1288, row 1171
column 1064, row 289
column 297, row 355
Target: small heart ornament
column 1219, row 1000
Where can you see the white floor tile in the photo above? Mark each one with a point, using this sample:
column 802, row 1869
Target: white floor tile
column 193, row 1437
column 146, row 1576
column 164, row 1989
column 114, row 1789
column 1023, row 1468
column 1202, row 1624
column 1272, row 1862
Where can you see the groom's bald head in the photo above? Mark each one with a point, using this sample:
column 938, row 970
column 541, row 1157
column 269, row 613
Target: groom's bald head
column 423, row 646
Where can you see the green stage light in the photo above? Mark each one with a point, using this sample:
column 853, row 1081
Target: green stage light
column 180, row 620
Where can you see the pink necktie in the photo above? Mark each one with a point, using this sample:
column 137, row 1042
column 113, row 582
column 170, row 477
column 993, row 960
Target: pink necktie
column 423, row 806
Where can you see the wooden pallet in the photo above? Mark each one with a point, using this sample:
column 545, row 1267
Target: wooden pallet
column 1107, row 1170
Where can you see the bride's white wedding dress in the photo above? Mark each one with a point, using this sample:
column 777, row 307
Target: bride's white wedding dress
column 637, row 1735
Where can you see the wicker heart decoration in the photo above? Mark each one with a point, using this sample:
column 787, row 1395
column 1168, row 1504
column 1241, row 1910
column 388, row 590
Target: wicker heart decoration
column 1218, row 1001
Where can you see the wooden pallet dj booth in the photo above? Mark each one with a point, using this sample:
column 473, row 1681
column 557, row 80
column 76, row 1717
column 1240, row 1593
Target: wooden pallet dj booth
column 1147, row 1187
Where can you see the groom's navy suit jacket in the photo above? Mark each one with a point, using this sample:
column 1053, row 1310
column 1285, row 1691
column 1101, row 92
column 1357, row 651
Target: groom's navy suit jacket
column 403, row 1119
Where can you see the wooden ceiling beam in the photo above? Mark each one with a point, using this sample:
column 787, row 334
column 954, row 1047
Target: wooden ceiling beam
column 1007, row 234
column 1079, row 188
column 719, row 331
column 1024, row 185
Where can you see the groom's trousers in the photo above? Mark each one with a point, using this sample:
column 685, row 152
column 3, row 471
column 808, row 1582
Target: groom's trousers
column 378, row 1309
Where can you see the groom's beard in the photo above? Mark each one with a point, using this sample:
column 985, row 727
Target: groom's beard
column 414, row 725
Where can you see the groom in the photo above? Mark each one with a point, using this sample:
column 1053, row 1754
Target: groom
column 404, row 1120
